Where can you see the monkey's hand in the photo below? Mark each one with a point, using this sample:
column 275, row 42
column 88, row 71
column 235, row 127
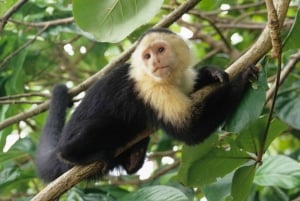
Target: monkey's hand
column 208, row 75
column 251, row 73
column 243, row 79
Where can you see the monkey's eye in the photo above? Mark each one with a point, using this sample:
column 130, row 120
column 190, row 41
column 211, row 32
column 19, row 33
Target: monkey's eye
column 161, row 49
column 147, row 56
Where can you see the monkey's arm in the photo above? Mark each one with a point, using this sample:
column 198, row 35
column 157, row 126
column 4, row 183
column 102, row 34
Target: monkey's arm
column 211, row 112
column 208, row 75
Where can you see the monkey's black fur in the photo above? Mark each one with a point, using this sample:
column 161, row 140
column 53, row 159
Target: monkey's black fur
column 48, row 164
column 216, row 107
column 112, row 114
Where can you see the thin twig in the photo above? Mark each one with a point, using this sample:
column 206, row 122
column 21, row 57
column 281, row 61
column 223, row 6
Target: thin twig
column 273, row 24
column 294, row 59
column 237, row 7
column 10, row 12
column 24, row 96
column 14, row 53
column 62, row 21
column 11, row 102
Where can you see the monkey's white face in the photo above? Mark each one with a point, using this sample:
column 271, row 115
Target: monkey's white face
column 162, row 57
column 158, row 59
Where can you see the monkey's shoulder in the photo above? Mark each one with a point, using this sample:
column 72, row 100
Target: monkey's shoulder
column 112, row 95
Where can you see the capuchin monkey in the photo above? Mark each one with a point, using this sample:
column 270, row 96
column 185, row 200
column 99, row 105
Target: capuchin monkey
column 154, row 91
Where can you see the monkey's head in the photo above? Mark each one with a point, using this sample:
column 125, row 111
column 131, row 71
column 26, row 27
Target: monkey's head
column 161, row 54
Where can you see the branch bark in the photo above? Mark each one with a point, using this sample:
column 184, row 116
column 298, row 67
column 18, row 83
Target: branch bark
column 261, row 46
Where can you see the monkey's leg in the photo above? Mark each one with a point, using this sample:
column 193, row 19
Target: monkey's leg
column 133, row 158
column 91, row 140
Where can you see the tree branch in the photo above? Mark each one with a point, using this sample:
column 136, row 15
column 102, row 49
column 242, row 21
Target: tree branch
column 70, row 178
column 25, row 95
column 10, row 102
column 261, row 46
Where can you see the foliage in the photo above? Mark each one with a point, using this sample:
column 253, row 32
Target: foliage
column 116, row 18
column 41, row 45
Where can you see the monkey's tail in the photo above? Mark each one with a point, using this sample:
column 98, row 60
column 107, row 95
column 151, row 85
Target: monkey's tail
column 48, row 164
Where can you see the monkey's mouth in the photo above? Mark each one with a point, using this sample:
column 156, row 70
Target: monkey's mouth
column 159, row 68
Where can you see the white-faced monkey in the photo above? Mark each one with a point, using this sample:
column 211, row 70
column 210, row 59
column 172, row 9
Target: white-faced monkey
column 154, row 91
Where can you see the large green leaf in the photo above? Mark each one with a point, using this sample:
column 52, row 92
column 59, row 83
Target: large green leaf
column 250, row 107
column 242, row 182
column 201, row 166
column 251, row 138
column 156, row 193
column 293, row 36
column 113, row 20
column 288, row 105
column 278, row 171
column 222, row 186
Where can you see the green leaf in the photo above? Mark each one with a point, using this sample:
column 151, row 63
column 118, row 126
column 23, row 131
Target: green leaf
column 251, row 138
column 16, row 82
column 278, row 171
column 15, row 179
column 250, row 107
column 210, row 164
column 242, row 182
column 276, row 128
column 11, row 155
column 113, row 20
column 288, row 105
column 156, row 193
column 293, row 36
column 5, row 5
column 273, row 194
column 222, row 186
column 190, row 154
